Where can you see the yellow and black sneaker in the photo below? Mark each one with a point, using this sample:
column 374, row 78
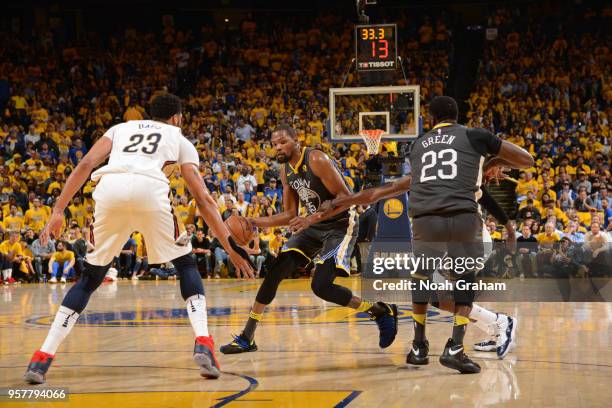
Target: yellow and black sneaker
column 241, row 344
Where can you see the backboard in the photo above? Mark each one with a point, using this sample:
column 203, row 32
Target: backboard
column 395, row 109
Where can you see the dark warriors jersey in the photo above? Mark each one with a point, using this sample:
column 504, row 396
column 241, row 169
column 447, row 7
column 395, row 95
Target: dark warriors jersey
column 447, row 165
column 310, row 189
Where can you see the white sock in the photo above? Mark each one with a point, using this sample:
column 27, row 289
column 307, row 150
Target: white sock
column 483, row 317
column 61, row 326
column 196, row 309
column 5, row 274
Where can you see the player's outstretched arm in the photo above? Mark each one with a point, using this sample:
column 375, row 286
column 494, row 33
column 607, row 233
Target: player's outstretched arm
column 209, row 211
column 370, row 195
column 511, row 155
column 290, row 208
column 98, row 153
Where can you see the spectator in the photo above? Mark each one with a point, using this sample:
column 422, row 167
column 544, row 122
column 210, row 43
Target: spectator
column 201, row 250
column 219, row 252
column 274, row 193
column 62, row 261
column 246, row 182
column 41, row 256
column 36, row 217
column 142, row 261
column 14, row 221
column 244, row 131
column 596, row 242
column 256, row 254
column 164, row 271
column 276, row 243
column 241, row 204
column 12, row 255
column 79, row 246
column 526, row 252
column 126, row 259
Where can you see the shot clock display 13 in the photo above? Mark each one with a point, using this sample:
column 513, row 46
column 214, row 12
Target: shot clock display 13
column 376, row 47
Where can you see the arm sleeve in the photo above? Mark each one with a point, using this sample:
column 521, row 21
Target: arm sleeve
column 483, row 141
column 489, row 204
column 187, row 152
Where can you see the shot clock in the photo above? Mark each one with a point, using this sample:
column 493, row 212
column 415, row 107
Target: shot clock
column 376, row 47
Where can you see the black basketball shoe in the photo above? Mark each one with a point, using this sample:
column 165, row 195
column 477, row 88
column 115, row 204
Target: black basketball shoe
column 454, row 357
column 418, row 353
column 240, row 344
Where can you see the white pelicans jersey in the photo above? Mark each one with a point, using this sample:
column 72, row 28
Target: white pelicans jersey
column 144, row 147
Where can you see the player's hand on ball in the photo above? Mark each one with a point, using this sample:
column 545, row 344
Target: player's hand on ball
column 299, row 223
column 53, row 227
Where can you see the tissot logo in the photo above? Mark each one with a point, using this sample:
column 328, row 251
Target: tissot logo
column 377, row 64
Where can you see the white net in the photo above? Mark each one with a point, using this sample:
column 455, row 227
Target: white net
column 371, row 138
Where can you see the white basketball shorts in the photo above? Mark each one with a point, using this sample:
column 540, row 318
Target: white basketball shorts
column 130, row 202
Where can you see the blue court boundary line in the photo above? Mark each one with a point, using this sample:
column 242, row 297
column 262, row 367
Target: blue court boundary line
column 253, row 384
column 348, row 399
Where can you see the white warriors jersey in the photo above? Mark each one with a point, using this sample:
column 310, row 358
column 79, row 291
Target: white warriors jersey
column 144, row 147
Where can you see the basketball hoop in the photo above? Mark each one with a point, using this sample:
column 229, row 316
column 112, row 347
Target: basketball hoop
column 371, row 138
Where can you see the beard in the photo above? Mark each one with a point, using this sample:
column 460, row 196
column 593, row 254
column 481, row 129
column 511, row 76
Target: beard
column 282, row 158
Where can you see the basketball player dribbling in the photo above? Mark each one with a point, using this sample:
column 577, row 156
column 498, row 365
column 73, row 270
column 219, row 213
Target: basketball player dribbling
column 132, row 194
column 310, row 177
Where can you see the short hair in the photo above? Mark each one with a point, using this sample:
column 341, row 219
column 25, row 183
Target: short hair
column 165, row 105
column 287, row 129
column 443, row 107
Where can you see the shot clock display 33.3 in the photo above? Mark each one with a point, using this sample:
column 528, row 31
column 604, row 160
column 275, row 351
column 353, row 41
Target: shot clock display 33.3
column 376, row 47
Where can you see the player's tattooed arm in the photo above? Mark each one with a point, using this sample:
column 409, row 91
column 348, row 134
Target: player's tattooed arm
column 290, row 208
column 369, row 195
column 322, row 167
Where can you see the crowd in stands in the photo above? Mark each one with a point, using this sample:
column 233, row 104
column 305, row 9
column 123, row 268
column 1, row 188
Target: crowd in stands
column 546, row 87
column 543, row 87
column 58, row 96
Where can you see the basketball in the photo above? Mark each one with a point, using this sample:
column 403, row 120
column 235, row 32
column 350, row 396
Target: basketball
column 240, row 229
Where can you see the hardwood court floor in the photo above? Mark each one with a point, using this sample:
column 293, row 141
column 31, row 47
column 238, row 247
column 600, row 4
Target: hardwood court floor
column 132, row 348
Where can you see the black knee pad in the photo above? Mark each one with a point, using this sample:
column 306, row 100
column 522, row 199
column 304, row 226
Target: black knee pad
column 323, row 278
column 323, row 285
column 464, row 297
column 285, row 263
